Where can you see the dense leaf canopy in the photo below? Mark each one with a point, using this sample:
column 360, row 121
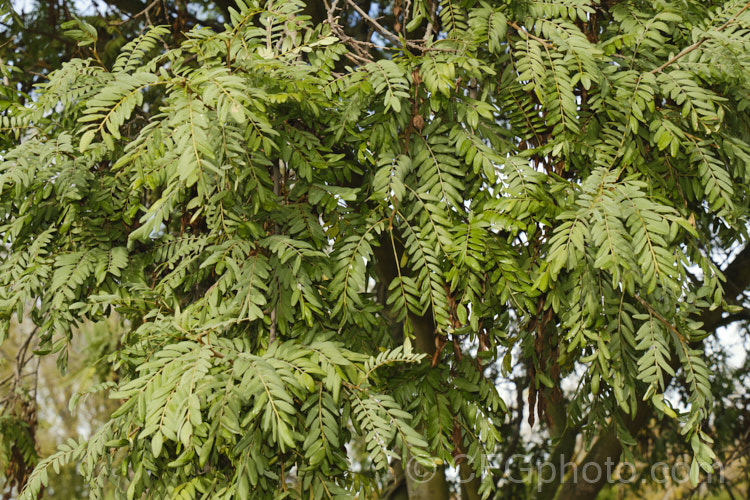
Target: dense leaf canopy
column 315, row 239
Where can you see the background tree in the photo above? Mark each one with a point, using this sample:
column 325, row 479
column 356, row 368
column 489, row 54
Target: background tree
column 36, row 416
column 352, row 223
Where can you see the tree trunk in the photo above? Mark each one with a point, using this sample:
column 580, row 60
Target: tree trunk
column 564, row 436
column 470, row 483
column 434, row 487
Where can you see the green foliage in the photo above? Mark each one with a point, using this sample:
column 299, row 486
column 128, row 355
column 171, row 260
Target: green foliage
column 277, row 229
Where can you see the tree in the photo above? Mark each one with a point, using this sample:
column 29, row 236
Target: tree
column 35, row 407
column 316, row 235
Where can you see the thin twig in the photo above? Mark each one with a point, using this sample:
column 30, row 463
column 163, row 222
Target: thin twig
column 380, row 28
column 21, row 359
column 6, row 379
column 544, row 42
column 360, row 53
column 143, row 12
column 661, row 318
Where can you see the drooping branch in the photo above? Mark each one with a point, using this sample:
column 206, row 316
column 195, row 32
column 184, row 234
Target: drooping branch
column 608, row 446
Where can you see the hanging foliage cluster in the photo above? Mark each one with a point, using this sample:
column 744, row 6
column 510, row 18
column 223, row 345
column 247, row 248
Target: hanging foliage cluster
column 311, row 240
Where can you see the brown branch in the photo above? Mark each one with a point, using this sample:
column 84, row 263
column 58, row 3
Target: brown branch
column 360, row 54
column 661, row 318
column 523, row 31
column 374, row 23
column 143, row 12
column 382, row 29
column 361, row 48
